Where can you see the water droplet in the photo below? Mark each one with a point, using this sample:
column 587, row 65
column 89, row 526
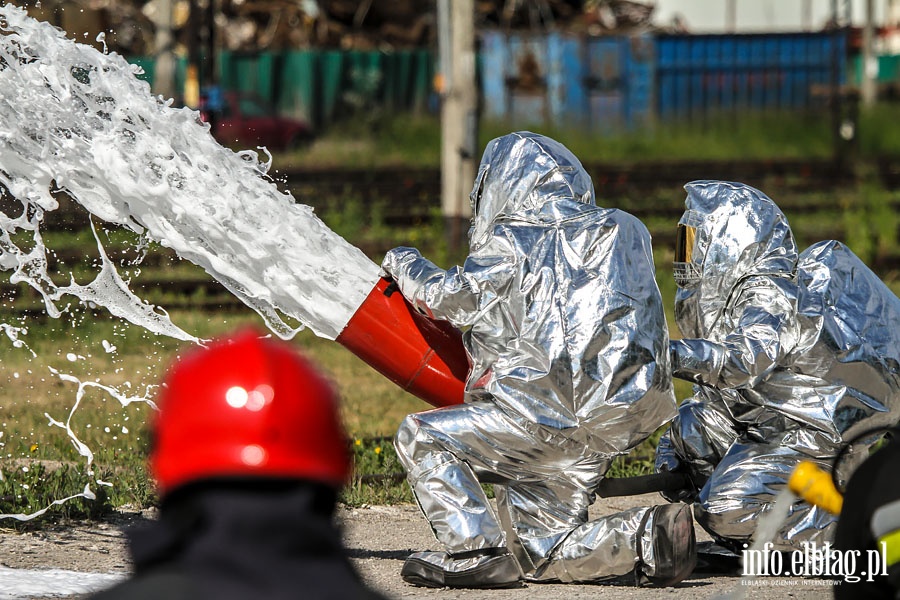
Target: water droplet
column 255, row 401
column 236, row 397
column 253, row 455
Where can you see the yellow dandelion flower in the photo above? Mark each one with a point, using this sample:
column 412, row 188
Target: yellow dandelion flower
column 377, row 449
column 33, row 448
column 358, row 442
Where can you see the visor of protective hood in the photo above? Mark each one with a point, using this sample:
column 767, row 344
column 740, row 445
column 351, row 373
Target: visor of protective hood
column 684, row 243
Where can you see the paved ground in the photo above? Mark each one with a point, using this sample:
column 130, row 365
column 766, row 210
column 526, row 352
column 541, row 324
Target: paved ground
column 378, row 539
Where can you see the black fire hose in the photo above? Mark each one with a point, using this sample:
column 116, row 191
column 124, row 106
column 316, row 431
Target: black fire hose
column 643, row 484
column 616, row 486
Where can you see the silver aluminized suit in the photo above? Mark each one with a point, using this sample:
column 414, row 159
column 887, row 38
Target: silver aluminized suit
column 794, row 355
column 564, row 326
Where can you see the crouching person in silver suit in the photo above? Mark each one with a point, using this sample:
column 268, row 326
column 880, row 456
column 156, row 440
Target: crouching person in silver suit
column 564, row 327
column 792, row 354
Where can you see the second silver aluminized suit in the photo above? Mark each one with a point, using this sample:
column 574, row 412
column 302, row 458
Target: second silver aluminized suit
column 794, row 355
column 564, row 327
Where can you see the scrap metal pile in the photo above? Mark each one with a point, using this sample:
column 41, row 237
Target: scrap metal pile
column 252, row 25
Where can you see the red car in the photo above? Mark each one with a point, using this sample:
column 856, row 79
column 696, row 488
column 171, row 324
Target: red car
column 246, row 121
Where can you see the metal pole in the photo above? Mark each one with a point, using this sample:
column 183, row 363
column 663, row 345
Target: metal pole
column 164, row 68
column 868, row 90
column 192, row 81
column 458, row 115
column 445, row 56
column 836, row 97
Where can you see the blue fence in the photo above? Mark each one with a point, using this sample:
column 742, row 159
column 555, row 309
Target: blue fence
column 604, row 83
column 600, row 82
column 620, row 81
column 707, row 73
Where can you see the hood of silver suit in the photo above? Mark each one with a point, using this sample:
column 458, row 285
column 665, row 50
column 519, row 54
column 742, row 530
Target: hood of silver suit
column 526, row 176
column 741, row 233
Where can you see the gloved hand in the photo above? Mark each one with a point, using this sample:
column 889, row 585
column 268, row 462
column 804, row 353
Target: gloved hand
column 697, row 361
column 395, row 261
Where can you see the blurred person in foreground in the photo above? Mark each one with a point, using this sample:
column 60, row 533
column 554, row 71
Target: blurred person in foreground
column 565, row 331
column 870, row 523
column 792, row 353
column 249, row 454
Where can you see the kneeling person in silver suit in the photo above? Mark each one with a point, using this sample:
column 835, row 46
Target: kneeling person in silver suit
column 793, row 354
column 564, row 327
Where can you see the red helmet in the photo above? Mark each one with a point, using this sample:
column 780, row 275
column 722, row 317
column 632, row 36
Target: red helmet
column 247, row 405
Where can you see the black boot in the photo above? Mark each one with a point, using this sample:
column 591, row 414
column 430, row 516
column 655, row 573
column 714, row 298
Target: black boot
column 485, row 568
column 674, row 545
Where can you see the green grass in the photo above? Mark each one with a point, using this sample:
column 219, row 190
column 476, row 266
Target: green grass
column 752, row 136
column 878, row 131
column 415, row 140
column 397, row 140
column 116, row 434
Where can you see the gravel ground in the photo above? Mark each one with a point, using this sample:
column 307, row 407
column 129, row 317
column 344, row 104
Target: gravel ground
column 378, row 538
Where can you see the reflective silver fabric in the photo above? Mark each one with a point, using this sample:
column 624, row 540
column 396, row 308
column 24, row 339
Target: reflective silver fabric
column 542, row 483
column 794, row 354
column 565, row 330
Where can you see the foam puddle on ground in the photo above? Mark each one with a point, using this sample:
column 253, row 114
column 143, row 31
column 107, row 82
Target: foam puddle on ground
column 16, row 584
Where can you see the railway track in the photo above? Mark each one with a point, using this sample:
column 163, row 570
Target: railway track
column 407, row 196
column 411, row 195
column 207, row 294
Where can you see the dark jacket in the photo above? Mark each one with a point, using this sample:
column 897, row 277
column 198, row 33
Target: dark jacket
column 242, row 540
column 874, row 485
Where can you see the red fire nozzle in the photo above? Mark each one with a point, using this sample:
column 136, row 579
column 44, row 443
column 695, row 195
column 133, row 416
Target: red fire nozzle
column 423, row 356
